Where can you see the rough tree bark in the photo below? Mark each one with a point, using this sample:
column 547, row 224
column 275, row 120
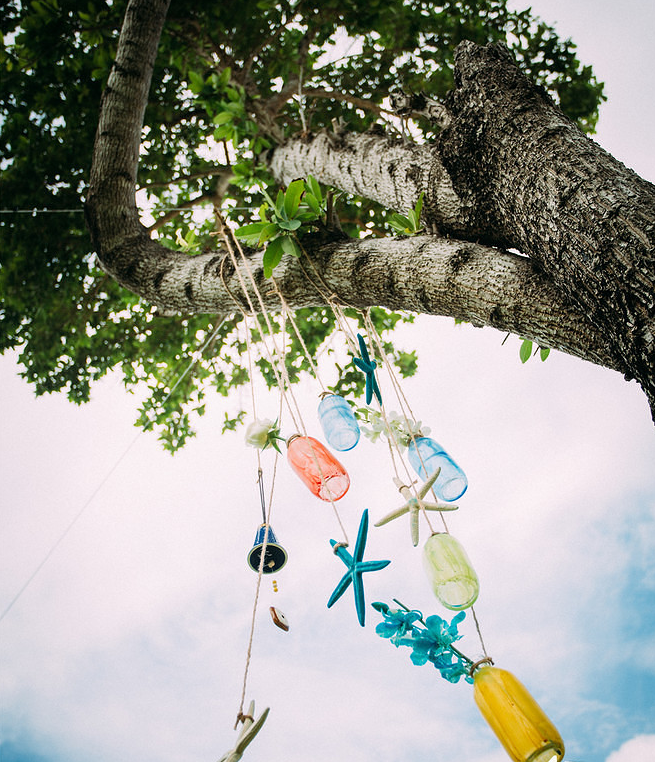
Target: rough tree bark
column 508, row 171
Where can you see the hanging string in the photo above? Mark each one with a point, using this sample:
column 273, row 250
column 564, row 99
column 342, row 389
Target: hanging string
column 265, row 517
column 405, row 409
column 105, row 479
column 401, row 398
column 260, row 573
column 281, row 380
column 287, row 312
column 392, row 442
column 284, row 383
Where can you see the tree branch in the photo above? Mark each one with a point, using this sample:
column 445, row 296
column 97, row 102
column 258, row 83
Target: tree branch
column 477, row 283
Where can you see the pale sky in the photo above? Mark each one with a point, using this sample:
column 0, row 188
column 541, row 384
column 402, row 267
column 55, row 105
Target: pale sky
column 130, row 643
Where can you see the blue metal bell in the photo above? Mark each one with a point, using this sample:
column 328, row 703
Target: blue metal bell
column 275, row 557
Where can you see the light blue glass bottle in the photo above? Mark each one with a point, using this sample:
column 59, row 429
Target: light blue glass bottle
column 338, row 422
column 426, row 456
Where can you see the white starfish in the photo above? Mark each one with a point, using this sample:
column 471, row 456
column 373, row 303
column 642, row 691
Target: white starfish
column 414, row 505
column 249, row 730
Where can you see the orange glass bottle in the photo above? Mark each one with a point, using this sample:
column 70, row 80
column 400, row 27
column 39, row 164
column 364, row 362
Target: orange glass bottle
column 515, row 717
column 317, row 467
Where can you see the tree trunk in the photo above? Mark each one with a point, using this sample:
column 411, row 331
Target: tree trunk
column 508, row 171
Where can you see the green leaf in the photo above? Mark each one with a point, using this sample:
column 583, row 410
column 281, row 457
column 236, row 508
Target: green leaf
column 269, row 231
column 543, row 353
column 289, row 224
column 272, row 256
column 224, row 78
column 196, row 82
column 526, row 350
column 314, row 188
column 223, row 117
column 279, row 204
column 251, row 233
column 290, row 246
column 306, row 216
column 292, row 197
column 312, row 202
column 400, row 224
column 419, row 206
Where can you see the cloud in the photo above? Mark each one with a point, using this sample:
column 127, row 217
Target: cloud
column 637, row 749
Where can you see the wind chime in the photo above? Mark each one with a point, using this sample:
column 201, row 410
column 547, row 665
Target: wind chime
column 512, row 713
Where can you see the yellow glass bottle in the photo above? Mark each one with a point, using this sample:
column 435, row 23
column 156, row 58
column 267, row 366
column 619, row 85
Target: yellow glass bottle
column 515, row 717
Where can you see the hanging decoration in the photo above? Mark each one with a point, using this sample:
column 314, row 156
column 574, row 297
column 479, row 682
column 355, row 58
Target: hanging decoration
column 449, row 570
column 249, row 730
column 431, row 640
column 520, row 724
column 426, row 456
column 317, row 467
column 356, row 567
column 275, row 556
column 338, row 422
column 263, row 433
column 368, row 366
column 279, row 619
column 413, row 505
column 518, row 721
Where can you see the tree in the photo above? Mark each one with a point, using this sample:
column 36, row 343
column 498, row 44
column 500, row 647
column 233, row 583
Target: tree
column 498, row 165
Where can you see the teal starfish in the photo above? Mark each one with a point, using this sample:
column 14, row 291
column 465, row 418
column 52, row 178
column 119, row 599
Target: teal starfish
column 367, row 366
column 356, row 567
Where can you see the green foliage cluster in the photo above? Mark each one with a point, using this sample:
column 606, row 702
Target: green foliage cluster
column 410, row 225
column 231, row 79
column 301, row 203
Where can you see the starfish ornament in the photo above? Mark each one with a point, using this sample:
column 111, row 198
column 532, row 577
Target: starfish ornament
column 368, row 366
column 414, row 505
column 249, row 730
column 356, row 567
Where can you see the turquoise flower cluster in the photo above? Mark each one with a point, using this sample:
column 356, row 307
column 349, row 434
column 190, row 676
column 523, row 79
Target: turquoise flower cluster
column 431, row 640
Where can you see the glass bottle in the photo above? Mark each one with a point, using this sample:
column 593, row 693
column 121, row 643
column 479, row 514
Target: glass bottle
column 449, row 570
column 515, row 717
column 338, row 422
column 317, row 467
column 426, row 456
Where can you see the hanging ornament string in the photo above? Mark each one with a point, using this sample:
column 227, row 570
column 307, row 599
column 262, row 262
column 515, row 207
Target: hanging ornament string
column 260, row 573
column 266, row 517
column 405, row 409
column 283, row 382
column 286, row 311
column 403, row 399
column 107, row 476
column 395, row 449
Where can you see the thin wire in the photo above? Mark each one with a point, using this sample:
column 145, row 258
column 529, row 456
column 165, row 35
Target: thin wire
column 78, row 515
column 36, row 211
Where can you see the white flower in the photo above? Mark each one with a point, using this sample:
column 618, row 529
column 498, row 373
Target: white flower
column 396, row 427
column 257, row 433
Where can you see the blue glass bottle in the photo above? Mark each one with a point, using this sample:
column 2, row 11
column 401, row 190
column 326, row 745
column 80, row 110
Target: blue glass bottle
column 338, row 422
column 426, row 456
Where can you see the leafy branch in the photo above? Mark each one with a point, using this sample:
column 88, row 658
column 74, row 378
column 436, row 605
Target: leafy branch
column 280, row 221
